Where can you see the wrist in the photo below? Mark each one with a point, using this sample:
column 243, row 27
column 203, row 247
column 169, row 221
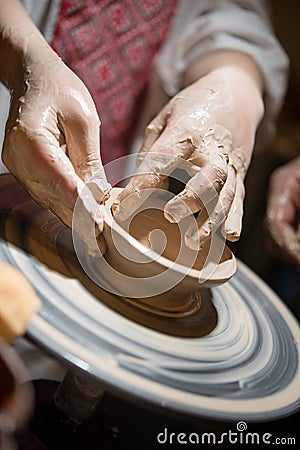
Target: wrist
column 234, row 73
column 219, row 60
column 21, row 43
column 24, row 51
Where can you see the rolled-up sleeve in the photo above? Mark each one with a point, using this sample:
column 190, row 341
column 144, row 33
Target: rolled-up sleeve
column 201, row 27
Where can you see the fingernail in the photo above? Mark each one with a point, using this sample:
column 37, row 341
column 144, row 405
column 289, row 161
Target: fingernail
column 115, row 207
column 192, row 242
column 176, row 211
column 196, row 238
column 192, row 237
column 99, row 221
column 119, row 213
column 229, row 233
column 123, row 209
column 232, row 236
column 99, row 188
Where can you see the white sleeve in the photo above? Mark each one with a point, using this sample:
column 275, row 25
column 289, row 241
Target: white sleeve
column 44, row 14
column 201, row 27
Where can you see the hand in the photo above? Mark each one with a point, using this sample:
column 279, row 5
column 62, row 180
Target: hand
column 282, row 221
column 211, row 125
column 52, row 139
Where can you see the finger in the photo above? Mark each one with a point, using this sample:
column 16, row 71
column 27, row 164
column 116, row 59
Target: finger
column 233, row 225
column 283, row 242
column 192, row 237
column 283, row 198
column 82, row 135
column 200, row 190
column 152, row 133
column 166, row 154
column 240, row 160
column 131, row 198
column 216, row 213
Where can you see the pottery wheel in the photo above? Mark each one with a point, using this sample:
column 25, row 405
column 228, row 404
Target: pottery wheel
column 248, row 366
column 245, row 364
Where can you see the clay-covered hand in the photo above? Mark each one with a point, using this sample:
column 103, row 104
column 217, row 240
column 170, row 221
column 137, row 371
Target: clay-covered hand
column 52, row 137
column 282, row 220
column 208, row 129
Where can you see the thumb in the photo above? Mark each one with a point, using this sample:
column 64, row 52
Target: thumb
column 83, row 147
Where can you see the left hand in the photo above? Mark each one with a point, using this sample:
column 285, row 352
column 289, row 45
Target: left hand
column 282, row 220
column 210, row 127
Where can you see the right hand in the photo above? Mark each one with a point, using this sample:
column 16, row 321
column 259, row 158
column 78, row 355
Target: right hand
column 52, row 142
column 208, row 125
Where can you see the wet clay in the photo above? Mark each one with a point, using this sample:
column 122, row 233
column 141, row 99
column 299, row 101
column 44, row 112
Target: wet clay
column 151, row 228
column 38, row 232
column 170, row 256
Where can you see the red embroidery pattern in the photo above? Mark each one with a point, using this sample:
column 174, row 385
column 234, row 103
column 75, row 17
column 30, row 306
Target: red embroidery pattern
column 110, row 45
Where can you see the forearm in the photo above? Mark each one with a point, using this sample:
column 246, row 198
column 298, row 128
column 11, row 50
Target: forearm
column 21, row 43
column 221, row 59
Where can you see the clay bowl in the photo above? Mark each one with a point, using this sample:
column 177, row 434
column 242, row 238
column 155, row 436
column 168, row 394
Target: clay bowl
column 147, row 258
